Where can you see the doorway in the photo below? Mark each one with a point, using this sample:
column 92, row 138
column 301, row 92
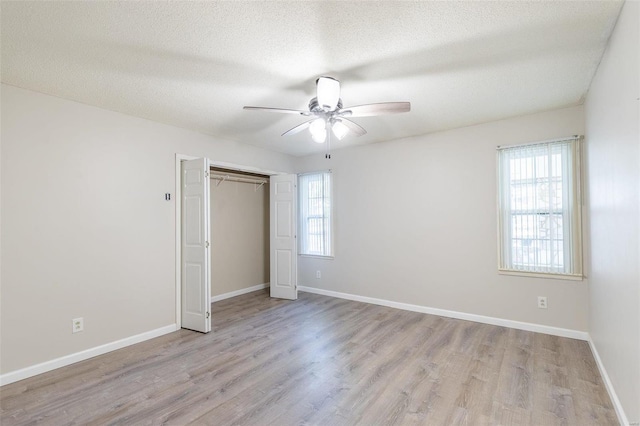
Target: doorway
column 239, row 232
column 282, row 250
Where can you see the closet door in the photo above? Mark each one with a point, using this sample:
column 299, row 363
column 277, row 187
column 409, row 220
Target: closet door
column 283, row 252
column 196, row 261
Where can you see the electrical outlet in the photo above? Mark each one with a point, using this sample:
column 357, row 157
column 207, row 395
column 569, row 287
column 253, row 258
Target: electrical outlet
column 318, row 275
column 542, row 302
column 77, row 325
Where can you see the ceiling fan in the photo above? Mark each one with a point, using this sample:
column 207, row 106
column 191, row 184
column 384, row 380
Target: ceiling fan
column 329, row 116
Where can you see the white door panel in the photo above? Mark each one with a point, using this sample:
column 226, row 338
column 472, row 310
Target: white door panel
column 196, row 273
column 283, row 264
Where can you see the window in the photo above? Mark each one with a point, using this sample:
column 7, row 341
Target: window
column 315, row 213
column 539, row 208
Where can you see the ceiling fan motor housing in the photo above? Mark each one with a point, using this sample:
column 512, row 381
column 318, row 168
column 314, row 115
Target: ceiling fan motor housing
column 315, row 107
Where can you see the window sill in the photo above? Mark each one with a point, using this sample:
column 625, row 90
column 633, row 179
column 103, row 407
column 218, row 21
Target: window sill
column 316, row 256
column 541, row 275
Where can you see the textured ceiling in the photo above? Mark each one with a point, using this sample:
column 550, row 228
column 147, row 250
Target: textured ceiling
column 195, row 64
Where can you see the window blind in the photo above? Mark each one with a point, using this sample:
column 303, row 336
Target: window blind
column 315, row 213
column 539, row 208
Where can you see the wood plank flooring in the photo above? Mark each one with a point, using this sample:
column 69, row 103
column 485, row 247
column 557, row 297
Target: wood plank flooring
column 323, row 361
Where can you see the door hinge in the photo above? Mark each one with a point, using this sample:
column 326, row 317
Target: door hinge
column 206, row 173
column 208, row 314
column 206, row 244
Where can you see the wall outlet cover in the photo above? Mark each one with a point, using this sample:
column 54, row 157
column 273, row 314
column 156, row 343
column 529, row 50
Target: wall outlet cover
column 77, row 325
column 542, row 302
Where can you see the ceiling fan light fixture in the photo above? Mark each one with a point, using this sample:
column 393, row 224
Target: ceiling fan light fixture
column 339, row 129
column 318, row 130
column 328, row 91
column 319, row 137
column 317, row 126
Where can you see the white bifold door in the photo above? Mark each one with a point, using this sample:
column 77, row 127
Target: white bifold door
column 196, row 260
column 283, row 252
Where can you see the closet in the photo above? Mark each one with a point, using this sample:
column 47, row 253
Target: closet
column 239, row 208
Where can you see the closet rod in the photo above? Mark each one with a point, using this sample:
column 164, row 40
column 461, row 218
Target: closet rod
column 223, row 178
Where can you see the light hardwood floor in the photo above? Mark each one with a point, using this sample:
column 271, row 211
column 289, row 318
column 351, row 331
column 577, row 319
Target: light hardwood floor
column 323, row 361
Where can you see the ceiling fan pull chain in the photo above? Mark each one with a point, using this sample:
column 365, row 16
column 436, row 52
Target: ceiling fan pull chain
column 328, row 154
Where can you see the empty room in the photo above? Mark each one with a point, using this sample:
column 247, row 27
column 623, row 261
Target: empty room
column 320, row 213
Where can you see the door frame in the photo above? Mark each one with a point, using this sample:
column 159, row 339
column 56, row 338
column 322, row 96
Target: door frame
column 179, row 158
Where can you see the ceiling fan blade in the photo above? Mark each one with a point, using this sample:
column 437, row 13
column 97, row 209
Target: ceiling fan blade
column 298, row 128
column 370, row 110
column 354, row 128
column 328, row 92
column 281, row 110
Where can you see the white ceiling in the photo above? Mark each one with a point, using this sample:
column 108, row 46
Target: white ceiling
column 195, row 64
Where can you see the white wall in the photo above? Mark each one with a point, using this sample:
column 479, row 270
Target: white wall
column 239, row 236
column 613, row 151
column 86, row 231
column 415, row 222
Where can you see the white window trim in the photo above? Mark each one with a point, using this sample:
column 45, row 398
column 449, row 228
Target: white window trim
column 317, row 256
column 578, row 238
column 547, row 275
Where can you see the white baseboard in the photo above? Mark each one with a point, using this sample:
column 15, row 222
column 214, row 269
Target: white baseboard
column 238, row 292
column 554, row 331
column 34, row 370
column 622, row 417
